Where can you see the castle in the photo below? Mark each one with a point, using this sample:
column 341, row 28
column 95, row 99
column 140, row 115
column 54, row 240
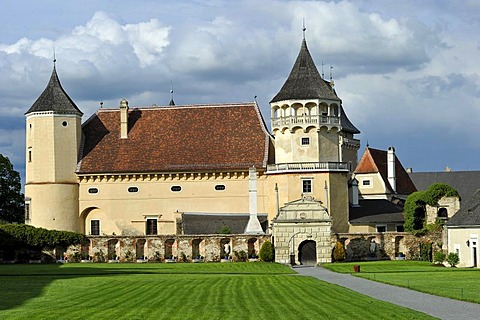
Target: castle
column 159, row 172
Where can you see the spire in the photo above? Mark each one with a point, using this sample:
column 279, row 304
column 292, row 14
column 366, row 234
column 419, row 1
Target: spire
column 54, row 98
column 304, row 81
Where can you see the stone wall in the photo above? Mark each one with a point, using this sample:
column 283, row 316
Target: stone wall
column 386, row 245
column 358, row 246
column 168, row 247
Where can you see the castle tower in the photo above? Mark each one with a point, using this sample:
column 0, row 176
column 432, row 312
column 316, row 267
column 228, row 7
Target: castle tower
column 53, row 134
column 308, row 120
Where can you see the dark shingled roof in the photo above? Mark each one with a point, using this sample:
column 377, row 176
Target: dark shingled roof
column 347, row 125
column 172, row 139
column 209, row 223
column 376, row 211
column 54, row 98
column 465, row 182
column 304, row 81
column 469, row 213
column 374, row 160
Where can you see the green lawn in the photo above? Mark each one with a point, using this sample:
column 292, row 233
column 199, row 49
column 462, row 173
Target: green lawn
column 180, row 291
column 456, row 283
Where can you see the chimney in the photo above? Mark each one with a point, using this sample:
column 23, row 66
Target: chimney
column 124, row 119
column 392, row 179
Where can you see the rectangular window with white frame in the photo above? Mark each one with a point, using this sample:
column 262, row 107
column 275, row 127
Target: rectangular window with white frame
column 95, row 227
column 307, row 186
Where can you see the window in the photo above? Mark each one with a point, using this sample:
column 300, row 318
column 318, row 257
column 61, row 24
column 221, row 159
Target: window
column 64, row 123
column 95, row 227
column 381, row 228
column 133, row 189
column 176, row 188
column 306, row 185
column 27, row 211
column 30, row 154
column 220, row 187
column 366, row 182
column 92, row 190
column 151, row 226
column 305, row 141
column 399, row 228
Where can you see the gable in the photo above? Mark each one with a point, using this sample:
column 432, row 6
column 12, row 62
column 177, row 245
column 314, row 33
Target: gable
column 375, row 161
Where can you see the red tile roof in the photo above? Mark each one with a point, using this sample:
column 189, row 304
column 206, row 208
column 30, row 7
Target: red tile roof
column 172, row 139
column 374, row 161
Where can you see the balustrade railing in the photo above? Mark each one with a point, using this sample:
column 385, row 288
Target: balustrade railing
column 308, row 166
column 300, row 120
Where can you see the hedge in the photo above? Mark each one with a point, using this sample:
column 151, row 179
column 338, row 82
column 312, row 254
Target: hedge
column 22, row 235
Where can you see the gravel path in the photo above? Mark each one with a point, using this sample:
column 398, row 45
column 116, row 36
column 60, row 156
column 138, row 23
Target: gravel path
column 439, row 307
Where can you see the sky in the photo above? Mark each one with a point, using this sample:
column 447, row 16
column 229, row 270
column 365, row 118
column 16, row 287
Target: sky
column 408, row 72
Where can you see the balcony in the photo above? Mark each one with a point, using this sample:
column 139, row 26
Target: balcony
column 307, row 167
column 291, row 121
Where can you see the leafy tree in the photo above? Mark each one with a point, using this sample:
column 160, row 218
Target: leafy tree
column 414, row 210
column 267, row 252
column 11, row 198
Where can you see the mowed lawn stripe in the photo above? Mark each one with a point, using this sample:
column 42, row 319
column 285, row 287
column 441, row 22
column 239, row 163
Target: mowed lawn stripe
column 241, row 291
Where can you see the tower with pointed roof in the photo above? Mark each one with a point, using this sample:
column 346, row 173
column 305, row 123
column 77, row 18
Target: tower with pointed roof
column 308, row 119
column 53, row 134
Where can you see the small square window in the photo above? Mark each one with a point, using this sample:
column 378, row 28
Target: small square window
column 305, row 141
column 307, row 186
column 95, row 227
column 381, row 228
column 151, row 226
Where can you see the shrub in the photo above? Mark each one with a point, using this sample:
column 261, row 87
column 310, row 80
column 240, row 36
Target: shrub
column 439, row 257
column 339, row 252
column 226, row 230
column 240, row 256
column 453, row 259
column 426, row 251
column 267, row 252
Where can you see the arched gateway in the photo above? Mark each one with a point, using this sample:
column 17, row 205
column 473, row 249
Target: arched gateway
column 307, row 253
column 302, row 233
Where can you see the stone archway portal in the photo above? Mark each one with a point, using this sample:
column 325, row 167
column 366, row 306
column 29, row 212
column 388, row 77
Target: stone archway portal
column 307, row 253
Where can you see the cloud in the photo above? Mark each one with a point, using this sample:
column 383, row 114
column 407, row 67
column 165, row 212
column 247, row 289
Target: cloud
column 398, row 73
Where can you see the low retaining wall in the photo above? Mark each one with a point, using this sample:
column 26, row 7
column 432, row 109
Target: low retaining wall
column 167, row 248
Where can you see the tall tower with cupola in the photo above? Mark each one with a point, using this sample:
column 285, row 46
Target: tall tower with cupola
column 53, row 134
column 308, row 121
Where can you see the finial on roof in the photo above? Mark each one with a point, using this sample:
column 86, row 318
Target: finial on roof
column 332, row 84
column 304, row 29
column 171, row 103
column 367, row 144
column 101, row 104
column 54, row 57
column 323, row 74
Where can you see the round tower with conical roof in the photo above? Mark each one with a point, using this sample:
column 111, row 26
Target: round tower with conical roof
column 53, row 134
column 308, row 120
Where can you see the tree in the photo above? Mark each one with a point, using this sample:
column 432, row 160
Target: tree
column 11, row 198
